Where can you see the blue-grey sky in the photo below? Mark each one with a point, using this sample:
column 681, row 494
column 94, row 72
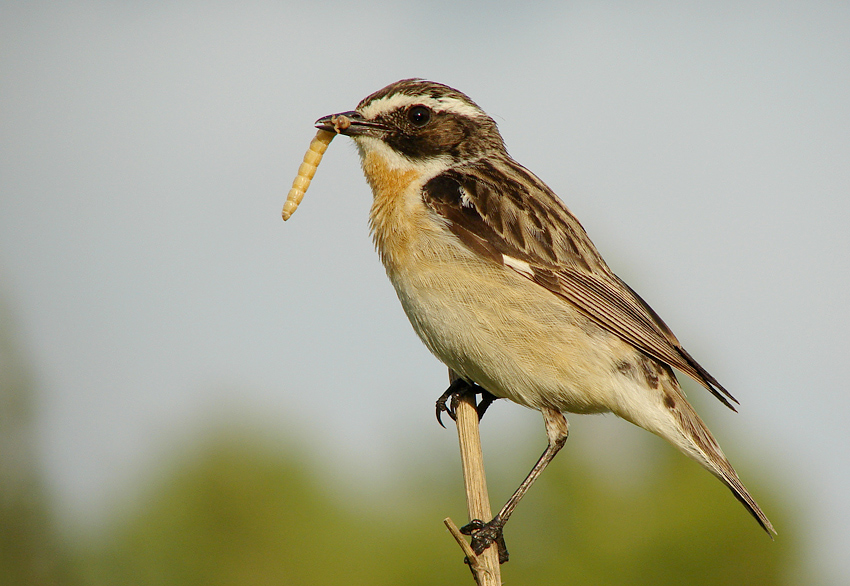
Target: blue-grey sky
column 146, row 150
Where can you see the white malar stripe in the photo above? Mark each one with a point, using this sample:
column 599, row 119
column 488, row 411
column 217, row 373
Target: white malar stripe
column 424, row 169
column 519, row 266
column 398, row 101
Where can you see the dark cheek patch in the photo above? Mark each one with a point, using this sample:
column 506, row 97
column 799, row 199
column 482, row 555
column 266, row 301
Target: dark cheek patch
column 443, row 136
column 447, row 134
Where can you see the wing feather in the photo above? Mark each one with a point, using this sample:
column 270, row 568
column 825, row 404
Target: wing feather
column 499, row 209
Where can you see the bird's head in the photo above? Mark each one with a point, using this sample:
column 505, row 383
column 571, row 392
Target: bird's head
column 419, row 122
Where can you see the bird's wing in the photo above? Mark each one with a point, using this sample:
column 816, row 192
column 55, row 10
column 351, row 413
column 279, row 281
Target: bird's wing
column 505, row 213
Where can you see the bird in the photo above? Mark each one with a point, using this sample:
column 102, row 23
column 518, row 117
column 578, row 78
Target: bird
column 503, row 285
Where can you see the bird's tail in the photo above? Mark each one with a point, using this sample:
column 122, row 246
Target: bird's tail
column 701, row 445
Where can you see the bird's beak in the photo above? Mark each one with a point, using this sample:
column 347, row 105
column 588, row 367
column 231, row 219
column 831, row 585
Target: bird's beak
column 350, row 123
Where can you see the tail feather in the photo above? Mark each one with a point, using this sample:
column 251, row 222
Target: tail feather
column 704, row 448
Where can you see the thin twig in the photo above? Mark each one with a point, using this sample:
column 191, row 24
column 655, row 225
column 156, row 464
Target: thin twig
column 471, row 558
column 485, row 567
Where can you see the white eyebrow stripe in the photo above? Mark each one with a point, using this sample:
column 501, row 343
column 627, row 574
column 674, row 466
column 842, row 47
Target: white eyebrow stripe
column 459, row 107
column 398, row 101
column 519, row 266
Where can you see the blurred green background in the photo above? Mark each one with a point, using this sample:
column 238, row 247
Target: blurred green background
column 215, row 396
column 240, row 505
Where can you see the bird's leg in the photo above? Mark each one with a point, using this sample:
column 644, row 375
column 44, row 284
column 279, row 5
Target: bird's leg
column 483, row 534
column 487, row 399
column 457, row 388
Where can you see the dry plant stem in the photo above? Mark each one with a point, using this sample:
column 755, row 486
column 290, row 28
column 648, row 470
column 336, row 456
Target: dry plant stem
column 477, row 501
column 471, row 558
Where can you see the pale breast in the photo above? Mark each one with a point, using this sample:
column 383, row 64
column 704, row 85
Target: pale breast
column 483, row 320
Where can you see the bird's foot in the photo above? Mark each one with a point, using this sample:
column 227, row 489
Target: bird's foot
column 485, row 534
column 459, row 387
column 445, row 404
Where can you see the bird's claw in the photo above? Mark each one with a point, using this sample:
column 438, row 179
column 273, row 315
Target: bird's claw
column 485, row 534
column 446, row 402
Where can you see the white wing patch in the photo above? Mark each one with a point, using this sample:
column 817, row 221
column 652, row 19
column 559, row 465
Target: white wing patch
column 519, row 266
column 465, row 200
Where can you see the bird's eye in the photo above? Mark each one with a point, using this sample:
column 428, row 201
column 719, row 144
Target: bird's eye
column 419, row 116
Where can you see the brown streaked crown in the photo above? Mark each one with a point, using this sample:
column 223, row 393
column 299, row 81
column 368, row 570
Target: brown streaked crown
column 415, row 86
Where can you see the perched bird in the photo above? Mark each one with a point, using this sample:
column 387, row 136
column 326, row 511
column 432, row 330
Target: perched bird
column 503, row 285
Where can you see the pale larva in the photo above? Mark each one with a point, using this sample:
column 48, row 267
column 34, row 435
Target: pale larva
column 307, row 170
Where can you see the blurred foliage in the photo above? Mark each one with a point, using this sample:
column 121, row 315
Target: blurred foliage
column 241, row 513
column 30, row 552
column 241, row 510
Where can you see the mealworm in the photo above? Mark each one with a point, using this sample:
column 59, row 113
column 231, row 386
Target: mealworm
column 308, row 167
